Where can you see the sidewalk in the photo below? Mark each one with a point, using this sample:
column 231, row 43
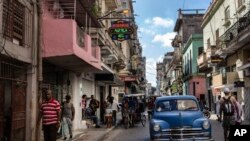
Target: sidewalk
column 92, row 133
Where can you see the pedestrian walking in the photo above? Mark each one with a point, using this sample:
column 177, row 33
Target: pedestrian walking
column 217, row 107
column 115, row 107
column 227, row 109
column 238, row 114
column 50, row 113
column 68, row 115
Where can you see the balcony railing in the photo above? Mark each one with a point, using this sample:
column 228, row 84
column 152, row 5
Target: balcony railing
column 237, row 28
column 69, row 9
column 80, row 37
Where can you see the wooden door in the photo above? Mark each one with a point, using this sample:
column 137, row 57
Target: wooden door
column 1, row 110
column 18, row 104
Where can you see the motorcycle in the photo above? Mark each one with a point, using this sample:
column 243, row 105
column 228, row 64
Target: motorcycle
column 206, row 112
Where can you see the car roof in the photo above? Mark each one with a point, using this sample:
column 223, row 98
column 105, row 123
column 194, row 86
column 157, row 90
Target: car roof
column 176, row 97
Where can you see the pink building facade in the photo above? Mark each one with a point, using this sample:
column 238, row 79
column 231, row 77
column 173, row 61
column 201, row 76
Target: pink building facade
column 197, row 86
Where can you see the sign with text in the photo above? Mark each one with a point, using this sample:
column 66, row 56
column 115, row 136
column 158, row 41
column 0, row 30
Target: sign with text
column 129, row 78
column 120, row 30
column 239, row 132
column 216, row 59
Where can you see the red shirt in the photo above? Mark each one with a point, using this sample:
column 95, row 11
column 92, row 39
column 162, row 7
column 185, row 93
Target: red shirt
column 49, row 111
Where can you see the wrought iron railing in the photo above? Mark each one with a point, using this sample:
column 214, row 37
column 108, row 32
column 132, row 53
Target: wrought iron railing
column 235, row 29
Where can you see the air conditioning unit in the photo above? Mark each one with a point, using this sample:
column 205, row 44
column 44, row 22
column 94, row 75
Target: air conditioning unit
column 247, row 72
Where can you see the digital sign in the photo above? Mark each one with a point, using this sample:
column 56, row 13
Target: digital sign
column 120, row 30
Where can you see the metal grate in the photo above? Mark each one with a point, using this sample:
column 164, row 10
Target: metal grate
column 14, row 72
column 13, row 21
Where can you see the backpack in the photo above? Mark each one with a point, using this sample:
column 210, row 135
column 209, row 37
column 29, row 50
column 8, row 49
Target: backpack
column 227, row 107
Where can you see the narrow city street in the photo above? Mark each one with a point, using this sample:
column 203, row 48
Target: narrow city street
column 70, row 68
column 140, row 133
column 137, row 133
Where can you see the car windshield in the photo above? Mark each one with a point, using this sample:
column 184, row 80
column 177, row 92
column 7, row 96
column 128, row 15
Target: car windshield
column 176, row 105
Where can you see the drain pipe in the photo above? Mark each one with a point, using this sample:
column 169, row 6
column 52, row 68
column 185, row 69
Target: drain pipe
column 34, row 131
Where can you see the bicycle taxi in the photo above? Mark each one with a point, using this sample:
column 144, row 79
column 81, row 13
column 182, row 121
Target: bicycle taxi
column 133, row 110
column 150, row 104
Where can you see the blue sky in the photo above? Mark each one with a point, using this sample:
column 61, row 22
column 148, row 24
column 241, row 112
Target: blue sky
column 156, row 20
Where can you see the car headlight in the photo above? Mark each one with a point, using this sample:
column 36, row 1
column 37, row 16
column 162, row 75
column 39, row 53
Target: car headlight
column 206, row 124
column 157, row 127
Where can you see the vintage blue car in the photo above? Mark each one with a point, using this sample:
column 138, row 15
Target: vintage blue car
column 179, row 118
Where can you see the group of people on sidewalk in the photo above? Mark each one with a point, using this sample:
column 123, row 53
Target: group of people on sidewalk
column 228, row 111
column 58, row 118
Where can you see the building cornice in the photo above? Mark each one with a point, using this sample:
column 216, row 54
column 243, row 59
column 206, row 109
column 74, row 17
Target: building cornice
column 211, row 11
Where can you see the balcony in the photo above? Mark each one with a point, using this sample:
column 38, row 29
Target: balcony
column 217, row 80
column 111, row 4
column 106, row 50
column 211, row 51
column 236, row 36
column 98, row 35
column 68, row 46
column 231, row 77
column 228, row 78
column 110, row 59
column 202, row 61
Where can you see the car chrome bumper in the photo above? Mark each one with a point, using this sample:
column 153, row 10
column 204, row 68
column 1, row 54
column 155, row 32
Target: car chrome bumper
column 189, row 139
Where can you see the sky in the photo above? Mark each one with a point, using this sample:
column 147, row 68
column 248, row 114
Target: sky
column 156, row 20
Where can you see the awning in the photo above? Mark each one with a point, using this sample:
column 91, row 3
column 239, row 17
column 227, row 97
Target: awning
column 110, row 79
column 219, row 89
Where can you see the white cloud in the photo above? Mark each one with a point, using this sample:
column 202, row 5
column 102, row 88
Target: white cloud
column 144, row 45
column 151, row 71
column 146, row 31
column 165, row 39
column 158, row 21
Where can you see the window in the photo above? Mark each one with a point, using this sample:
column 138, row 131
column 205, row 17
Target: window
column 200, row 50
column 13, row 21
column 234, row 68
column 177, row 105
column 208, row 43
column 227, row 14
column 217, row 37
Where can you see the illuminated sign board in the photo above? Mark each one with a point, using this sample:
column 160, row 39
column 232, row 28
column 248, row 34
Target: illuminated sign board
column 120, row 30
column 216, row 59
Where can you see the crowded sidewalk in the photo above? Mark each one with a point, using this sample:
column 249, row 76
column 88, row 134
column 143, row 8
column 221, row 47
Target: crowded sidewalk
column 92, row 133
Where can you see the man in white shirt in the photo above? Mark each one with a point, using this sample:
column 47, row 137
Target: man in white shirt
column 115, row 107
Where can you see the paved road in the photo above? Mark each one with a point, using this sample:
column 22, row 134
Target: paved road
column 137, row 133
column 140, row 133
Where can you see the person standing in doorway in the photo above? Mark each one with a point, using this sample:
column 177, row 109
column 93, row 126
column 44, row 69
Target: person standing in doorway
column 217, row 106
column 50, row 112
column 68, row 115
column 94, row 103
column 84, row 105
